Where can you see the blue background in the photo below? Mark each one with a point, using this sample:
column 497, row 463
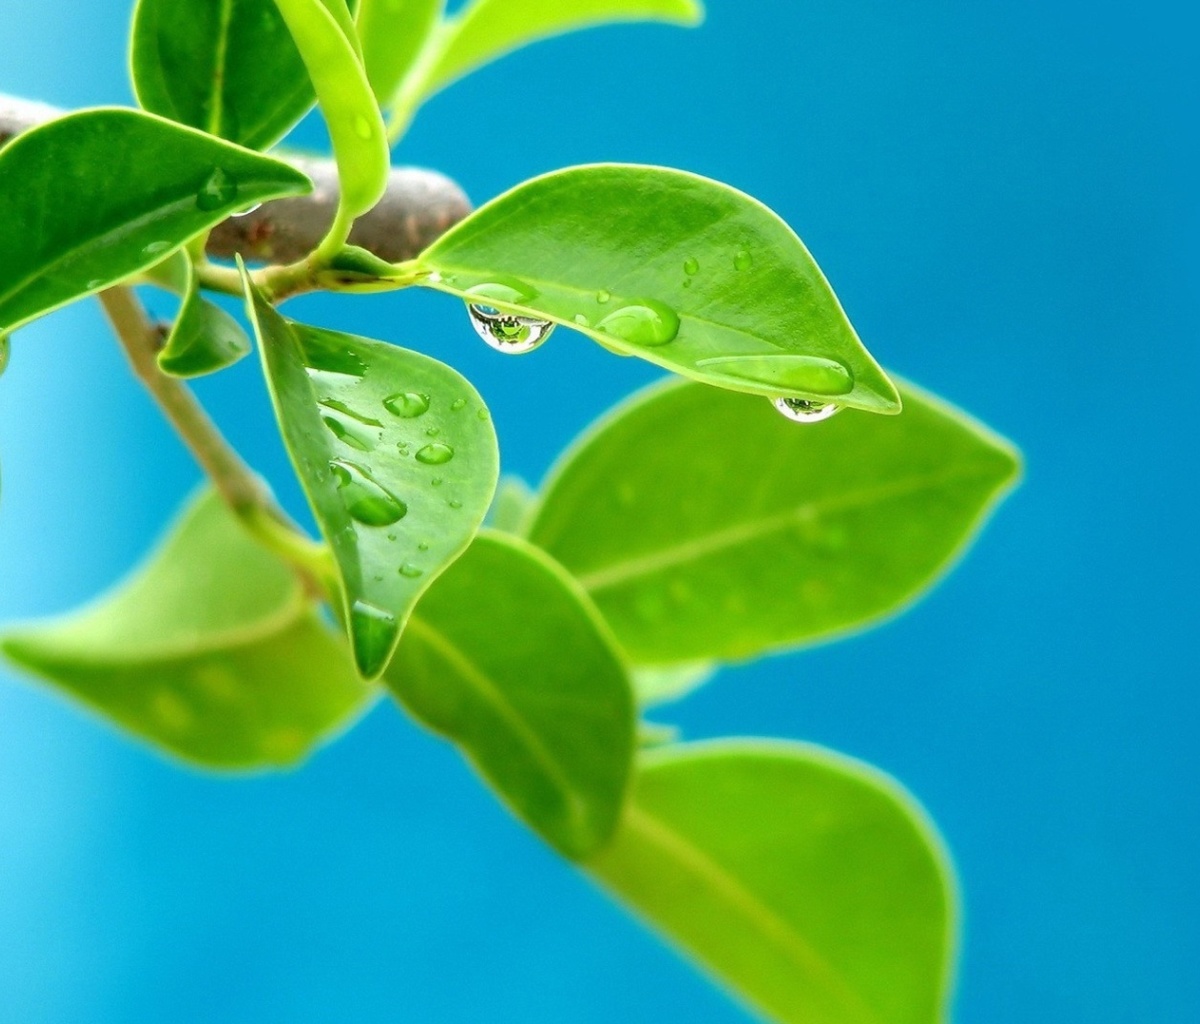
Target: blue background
column 1003, row 193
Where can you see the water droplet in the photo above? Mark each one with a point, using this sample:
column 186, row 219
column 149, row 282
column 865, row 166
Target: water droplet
column 408, row 405
column 436, row 454
column 507, row 332
column 94, row 282
column 581, row 320
column 453, row 503
column 432, row 432
column 156, row 248
column 362, row 127
column 219, row 189
column 423, row 546
column 802, row 411
column 603, row 297
column 645, row 322
column 457, row 404
column 691, row 267
column 803, row 373
column 743, row 260
column 366, row 499
column 483, row 414
column 247, row 211
column 345, row 410
column 374, row 631
column 350, row 427
column 410, row 571
column 391, row 536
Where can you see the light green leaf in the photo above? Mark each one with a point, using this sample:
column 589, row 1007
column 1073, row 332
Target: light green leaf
column 487, row 29
column 661, row 684
column 397, row 455
column 97, row 196
column 210, row 651
column 508, row 658
column 707, row 526
column 393, row 33
column 325, row 36
column 228, row 67
column 677, row 269
column 512, row 507
column 204, row 338
column 811, row 885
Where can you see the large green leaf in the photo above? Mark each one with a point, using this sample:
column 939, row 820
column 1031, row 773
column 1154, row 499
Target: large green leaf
column 397, row 455
column 204, row 338
column 228, row 67
column 326, row 38
column 96, row 196
column 210, row 651
column 487, row 29
column 677, row 269
column 707, row 526
column 506, row 656
column 809, row 884
column 393, row 33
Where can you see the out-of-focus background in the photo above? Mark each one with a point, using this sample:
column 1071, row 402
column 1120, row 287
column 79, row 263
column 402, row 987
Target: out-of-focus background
column 1004, row 195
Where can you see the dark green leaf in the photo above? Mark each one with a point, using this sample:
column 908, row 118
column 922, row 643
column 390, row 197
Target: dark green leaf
column 707, row 526
column 507, row 657
column 397, row 455
column 811, row 885
column 393, row 33
column 677, row 269
column 204, row 338
column 228, row 67
column 97, row 196
column 211, row 651
column 487, row 29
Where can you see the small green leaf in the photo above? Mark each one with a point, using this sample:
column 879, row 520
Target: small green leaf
column 487, row 29
column 328, row 45
column 393, row 33
column 707, row 526
column 228, row 67
column 204, row 338
column 661, row 684
column 677, row 269
column 210, row 651
column 811, row 885
column 507, row 657
column 397, row 455
column 97, row 196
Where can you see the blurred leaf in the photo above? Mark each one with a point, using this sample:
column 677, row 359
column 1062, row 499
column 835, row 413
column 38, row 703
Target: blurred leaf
column 679, row 270
column 512, row 507
column 204, row 338
column 99, row 195
column 325, row 36
column 229, row 68
column 487, row 29
column 809, row 884
column 660, row 684
column 706, row 526
column 506, row 656
column 397, row 455
column 393, row 33
column 210, row 651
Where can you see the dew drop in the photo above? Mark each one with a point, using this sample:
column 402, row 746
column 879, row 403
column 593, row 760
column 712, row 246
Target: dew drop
column 374, row 631
column 408, row 405
column 800, row 410
column 454, row 503
column 457, row 404
column 362, row 128
column 483, row 414
column 423, row 546
column 94, row 282
column 366, row 499
column 247, row 211
column 581, row 320
column 432, row 432
column 435, row 454
column 691, row 267
column 645, row 322
column 743, row 260
column 156, row 248
column 410, row 571
column 603, row 297
column 436, row 482
column 219, row 189
column 507, row 332
column 349, row 427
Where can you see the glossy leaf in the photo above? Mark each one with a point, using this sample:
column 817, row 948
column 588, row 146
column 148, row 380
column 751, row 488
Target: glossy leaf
column 97, row 196
column 228, row 67
column 210, row 651
column 671, row 267
column 204, row 338
column 506, row 656
column 810, row 884
column 487, row 29
column 397, row 455
column 325, row 37
column 707, row 526
column 393, row 33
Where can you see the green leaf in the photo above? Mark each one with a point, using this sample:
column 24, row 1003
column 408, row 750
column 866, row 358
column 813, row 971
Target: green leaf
column 677, row 269
column 393, row 33
column 506, row 656
column 487, row 29
column 811, row 885
column 397, row 455
column 97, row 196
column 228, row 67
column 325, row 36
column 512, row 507
column 661, row 684
column 707, row 526
column 210, row 651
column 204, row 338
